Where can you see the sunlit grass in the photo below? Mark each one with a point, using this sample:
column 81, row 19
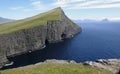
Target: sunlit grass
column 54, row 68
column 40, row 19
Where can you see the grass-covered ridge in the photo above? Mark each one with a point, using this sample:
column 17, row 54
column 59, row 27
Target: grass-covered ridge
column 30, row 22
column 55, row 68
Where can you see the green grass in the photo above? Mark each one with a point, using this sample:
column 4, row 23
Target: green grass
column 54, row 68
column 30, row 22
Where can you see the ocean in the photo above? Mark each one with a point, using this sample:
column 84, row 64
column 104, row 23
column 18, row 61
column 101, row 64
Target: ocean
column 98, row 40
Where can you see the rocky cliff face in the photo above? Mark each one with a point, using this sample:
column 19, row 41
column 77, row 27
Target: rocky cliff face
column 27, row 40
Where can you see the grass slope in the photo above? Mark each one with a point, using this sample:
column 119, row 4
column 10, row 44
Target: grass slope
column 54, row 68
column 30, row 22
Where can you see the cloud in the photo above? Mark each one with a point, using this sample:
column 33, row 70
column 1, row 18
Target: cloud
column 34, row 5
column 20, row 8
column 97, row 6
column 106, row 6
column 60, row 3
column 38, row 5
column 115, row 18
column 34, row 0
column 65, row 3
column 87, row 4
column 70, row 4
column 16, row 8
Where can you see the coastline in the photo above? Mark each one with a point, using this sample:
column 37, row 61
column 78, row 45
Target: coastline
column 112, row 65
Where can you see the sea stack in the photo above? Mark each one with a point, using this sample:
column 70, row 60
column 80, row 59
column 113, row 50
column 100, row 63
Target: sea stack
column 30, row 34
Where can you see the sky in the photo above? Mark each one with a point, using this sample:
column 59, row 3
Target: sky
column 74, row 9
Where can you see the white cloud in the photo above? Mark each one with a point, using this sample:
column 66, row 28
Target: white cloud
column 65, row 3
column 16, row 8
column 96, row 6
column 20, row 8
column 86, row 4
column 71, row 4
column 115, row 18
column 34, row 0
column 60, row 3
column 38, row 5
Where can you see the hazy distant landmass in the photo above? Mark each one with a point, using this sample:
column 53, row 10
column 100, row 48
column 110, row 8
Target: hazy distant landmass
column 105, row 20
column 92, row 20
column 5, row 20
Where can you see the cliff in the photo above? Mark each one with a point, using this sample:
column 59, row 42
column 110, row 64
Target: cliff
column 33, row 33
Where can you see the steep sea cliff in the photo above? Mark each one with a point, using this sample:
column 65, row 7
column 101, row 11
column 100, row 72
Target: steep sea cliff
column 35, row 38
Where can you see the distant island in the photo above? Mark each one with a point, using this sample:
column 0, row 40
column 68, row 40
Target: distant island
column 92, row 20
column 2, row 20
column 105, row 20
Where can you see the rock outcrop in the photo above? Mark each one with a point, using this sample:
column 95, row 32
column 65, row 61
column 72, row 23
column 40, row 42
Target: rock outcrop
column 58, row 61
column 35, row 38
column 109, row 64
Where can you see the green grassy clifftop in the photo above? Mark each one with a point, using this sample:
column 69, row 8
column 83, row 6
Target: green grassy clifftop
column 56, row 68
column 40, row 19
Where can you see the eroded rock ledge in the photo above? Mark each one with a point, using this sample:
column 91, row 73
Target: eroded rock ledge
column 108, row 64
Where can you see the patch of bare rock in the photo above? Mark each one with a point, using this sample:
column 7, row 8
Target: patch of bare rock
column 108, row 64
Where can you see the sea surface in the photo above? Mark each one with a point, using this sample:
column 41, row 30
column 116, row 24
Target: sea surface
column 98, row 40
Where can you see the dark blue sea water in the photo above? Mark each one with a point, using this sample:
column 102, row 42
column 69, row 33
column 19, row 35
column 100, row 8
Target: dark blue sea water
column 97, row 40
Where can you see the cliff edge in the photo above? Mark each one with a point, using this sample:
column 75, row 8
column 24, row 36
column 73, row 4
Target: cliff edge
column 54, row 66
column 34, row 33
column 112, row 65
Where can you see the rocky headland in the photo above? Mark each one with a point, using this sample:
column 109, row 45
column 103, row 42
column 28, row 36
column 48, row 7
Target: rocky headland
column 54, row 27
